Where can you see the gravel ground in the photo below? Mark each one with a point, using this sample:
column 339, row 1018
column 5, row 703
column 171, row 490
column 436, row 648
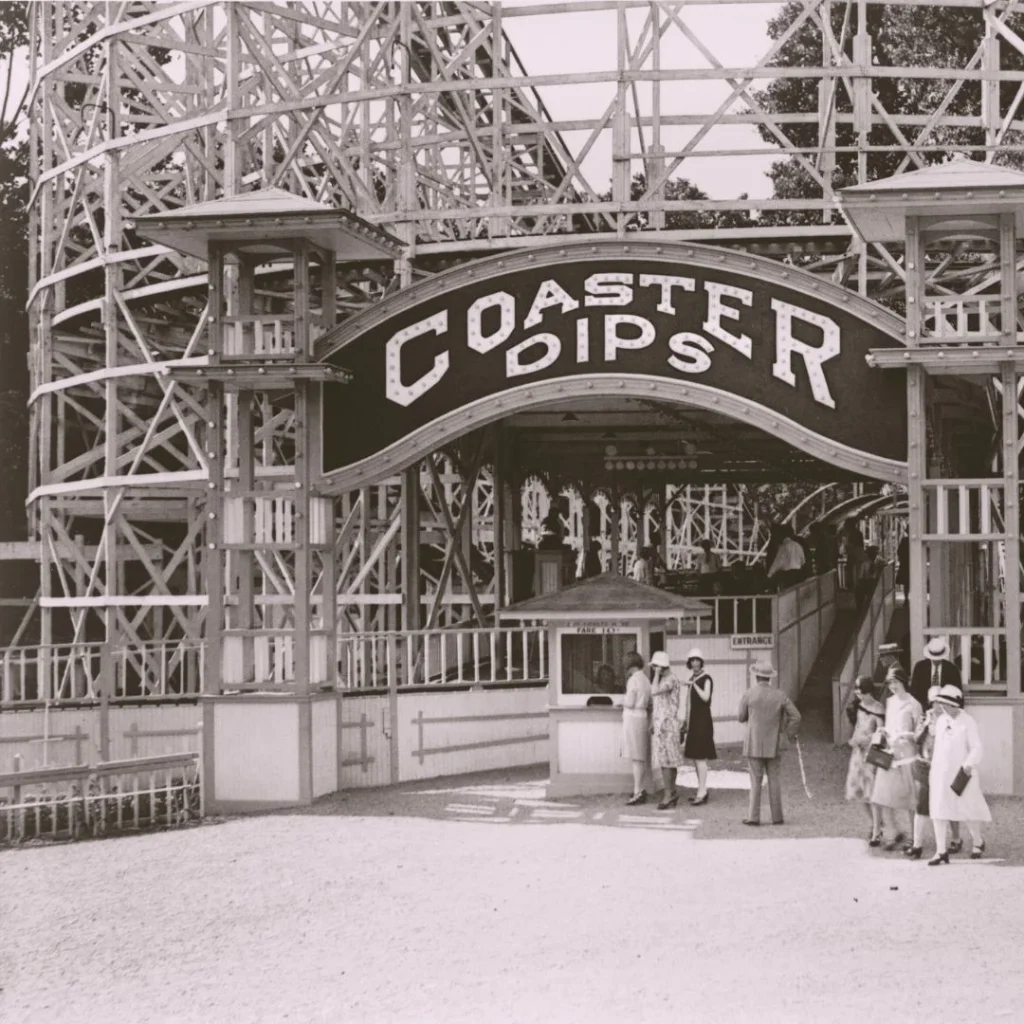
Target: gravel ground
column 476, row 899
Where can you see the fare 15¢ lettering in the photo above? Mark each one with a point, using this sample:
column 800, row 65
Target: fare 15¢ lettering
column 690, row 353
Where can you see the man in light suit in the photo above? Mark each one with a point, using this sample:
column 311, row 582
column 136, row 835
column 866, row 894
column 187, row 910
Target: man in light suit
column 766, row 711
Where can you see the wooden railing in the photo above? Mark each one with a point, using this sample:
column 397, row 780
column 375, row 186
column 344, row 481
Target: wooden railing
column 161, row 669
column 83, row 800
column 444, row 657
column 962, row 318
column 980, row 654
column 268, row 336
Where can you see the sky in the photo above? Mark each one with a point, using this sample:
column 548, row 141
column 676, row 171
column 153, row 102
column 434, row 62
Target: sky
column 586, row 41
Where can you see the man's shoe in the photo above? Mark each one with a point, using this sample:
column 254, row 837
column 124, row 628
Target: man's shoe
column 779, row 822
column 747, row 821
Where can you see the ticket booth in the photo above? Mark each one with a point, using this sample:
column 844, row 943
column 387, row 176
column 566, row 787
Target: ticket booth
column 591, row 627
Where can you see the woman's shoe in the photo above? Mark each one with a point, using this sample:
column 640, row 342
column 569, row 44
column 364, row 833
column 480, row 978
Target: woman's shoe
column 669, row 803
column 895, row 842
column 913, row 852
column 955, row 845
column 875, row 841
column 698, row 800
column 939, row 858
column 978, row 851
column 637, row 798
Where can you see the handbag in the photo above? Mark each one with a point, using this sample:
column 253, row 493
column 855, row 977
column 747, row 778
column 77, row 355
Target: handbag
column 879, row 757
column 959, row 784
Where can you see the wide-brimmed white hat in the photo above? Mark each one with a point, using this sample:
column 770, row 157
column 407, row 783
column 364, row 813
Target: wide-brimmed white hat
column 949, row 695
column 694, row 652
column 660, row 659
column 763, row 669
column 936, row 648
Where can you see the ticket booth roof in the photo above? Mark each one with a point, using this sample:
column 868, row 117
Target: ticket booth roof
column 607, row 596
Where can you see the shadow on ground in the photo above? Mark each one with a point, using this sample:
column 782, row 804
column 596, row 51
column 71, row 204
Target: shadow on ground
column 813, row 809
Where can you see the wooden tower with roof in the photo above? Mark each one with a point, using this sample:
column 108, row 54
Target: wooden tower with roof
column 269, row 542
column 963, row 489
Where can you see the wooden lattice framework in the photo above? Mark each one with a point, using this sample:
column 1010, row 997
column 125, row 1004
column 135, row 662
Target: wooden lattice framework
column 424, row 119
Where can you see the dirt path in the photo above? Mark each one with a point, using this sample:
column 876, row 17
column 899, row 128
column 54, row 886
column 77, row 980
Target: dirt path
column 438, row 903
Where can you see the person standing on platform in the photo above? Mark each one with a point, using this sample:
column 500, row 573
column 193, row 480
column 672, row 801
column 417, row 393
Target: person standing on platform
column 643, row 566
column 893, row 790
column 700, row 725
column 667, row 751
column 787, row 566
column 708, row 563
column 888, row 655
column 592, row 560
column 767, row 712
column 636, row 729
column 955, row 791
column 866, row 715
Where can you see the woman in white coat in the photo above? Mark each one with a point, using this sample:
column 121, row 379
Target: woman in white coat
column 957, row 746
column 636, row 729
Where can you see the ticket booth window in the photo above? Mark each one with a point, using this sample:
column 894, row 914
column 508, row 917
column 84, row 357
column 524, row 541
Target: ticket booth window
column 592, row 663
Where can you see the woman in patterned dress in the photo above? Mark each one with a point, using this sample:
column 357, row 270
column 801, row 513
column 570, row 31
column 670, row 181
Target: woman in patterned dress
column 667, row 751
column 867, row 715
column 893, row 789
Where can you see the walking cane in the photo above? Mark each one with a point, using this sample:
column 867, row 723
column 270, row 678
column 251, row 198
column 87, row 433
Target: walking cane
column 803, row 774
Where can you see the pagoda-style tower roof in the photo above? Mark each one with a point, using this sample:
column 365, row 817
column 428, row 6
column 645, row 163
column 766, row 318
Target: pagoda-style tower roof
column 607, row 596
column 957, row 192
column 260, row 221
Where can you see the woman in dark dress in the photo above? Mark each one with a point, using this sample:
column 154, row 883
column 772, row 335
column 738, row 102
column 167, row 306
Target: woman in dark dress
column 700, row 732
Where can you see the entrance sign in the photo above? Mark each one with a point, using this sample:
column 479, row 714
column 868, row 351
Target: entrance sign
column 752, row 641
column 696, row 325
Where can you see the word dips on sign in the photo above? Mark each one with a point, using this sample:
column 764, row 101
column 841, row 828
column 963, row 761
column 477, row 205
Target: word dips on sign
column 694, row 316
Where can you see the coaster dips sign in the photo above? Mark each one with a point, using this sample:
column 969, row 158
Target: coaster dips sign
column 692, row 324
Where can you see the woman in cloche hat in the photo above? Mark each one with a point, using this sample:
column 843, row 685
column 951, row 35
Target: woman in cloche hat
column 867, row 715
column 667, row 751
column 955, row 762
column 700, row 726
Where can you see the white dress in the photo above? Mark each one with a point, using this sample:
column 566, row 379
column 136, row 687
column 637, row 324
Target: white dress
column 636, row 729
column 957, row 744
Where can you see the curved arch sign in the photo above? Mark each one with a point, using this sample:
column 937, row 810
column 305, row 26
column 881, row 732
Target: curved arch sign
column 737, row 334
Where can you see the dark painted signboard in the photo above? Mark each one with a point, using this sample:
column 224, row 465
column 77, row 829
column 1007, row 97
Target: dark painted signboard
column 776, row 340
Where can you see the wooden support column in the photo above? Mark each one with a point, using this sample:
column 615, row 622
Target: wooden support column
column 245, row 611
column 303, row 480
column 1011, row 554
column 412, row 606
column 498, row 515
column 915, row 286
column 614, row 527
column 214, row 550
column 1008, row 277
column 916, row 473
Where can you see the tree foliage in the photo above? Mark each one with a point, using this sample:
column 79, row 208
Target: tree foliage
column 901, row 36
column 13, row 276
column 679, row 190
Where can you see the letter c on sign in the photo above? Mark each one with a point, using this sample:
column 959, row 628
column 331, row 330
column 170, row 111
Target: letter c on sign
column 396, row 391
